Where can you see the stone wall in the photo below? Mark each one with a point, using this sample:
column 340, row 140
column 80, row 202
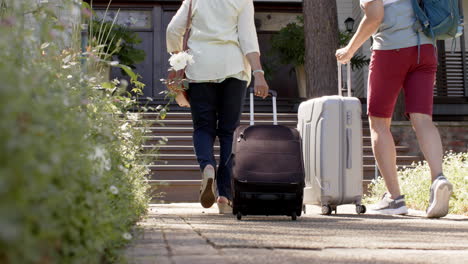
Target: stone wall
column 454, row 136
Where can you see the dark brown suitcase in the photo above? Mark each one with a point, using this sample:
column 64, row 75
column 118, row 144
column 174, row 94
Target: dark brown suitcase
column 267, row 169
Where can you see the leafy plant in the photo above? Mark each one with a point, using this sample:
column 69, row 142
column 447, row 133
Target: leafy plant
column 289, row 45
column 71, row 181
column 415, row 184
column 109, row 41
column 122, row 43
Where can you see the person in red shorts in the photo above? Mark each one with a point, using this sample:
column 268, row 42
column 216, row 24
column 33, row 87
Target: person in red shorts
column 400, row 62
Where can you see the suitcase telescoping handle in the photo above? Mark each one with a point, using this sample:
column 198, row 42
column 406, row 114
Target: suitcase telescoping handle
column 348, row 79
column 273, row 94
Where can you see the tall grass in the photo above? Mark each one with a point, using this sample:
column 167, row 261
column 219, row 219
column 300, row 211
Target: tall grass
column 415, row 183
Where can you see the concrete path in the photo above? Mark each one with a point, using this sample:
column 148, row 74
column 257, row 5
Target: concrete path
column 190, row 234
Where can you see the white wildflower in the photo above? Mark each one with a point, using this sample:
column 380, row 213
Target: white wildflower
column 114, row 190
column 69, row 76
column 45, row 45
column 106, row 164
column 127, row 135
column 124, row 127
column 127, row 236
column 132, row 116
column 180, row 60
column 99, row 153
column 123, row 169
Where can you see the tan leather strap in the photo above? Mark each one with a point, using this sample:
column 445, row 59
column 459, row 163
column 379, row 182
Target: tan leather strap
column 188, row 27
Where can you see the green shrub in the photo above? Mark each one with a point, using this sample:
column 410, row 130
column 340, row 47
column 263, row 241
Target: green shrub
column 71, row 182
column 415, row 183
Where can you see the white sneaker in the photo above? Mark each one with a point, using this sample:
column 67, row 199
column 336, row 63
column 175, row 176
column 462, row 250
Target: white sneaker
column 224, row 205
column 207, row 195
column 389, row 206
column 441, row 189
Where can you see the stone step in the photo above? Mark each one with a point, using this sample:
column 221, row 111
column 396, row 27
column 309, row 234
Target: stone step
column 190, row 159
column 187, row 140
column 188, row 130
column 192, row 172
column 188, row 190
column 188, row 149
column 245, row 116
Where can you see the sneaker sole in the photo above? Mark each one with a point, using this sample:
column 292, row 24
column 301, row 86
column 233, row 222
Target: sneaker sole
column 440, row 205
column 207, row 197
column 399, row 211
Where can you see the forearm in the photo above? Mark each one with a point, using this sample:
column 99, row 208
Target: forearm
column 364, row 32
column 374, row 14
column 254, row 60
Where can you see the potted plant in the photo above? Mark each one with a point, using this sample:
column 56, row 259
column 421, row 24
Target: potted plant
column 289, row 46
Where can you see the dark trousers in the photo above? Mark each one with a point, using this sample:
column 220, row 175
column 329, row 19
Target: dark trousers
column 216, row 111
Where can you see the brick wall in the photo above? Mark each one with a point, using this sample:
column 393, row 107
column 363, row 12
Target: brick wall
column 454, row 136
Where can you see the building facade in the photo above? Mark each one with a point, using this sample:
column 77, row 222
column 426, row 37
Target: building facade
column 150, row 18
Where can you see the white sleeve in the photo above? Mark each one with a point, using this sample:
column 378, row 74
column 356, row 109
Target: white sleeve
column 176, row 28
column 246, row 29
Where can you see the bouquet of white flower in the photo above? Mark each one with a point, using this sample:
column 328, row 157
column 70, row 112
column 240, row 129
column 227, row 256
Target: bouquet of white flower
column 176, row 81
column 180, row 60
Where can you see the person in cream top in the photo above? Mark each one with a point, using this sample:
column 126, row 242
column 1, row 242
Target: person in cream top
column 224, row 44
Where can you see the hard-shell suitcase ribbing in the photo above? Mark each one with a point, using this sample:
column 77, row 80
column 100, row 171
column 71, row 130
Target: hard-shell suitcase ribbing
column 331, row 130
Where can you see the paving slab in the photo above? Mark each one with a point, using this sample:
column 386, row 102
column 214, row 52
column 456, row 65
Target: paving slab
column 188, row 233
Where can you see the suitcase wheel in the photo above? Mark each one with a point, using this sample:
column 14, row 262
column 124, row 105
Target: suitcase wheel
column 294, row 216
column 239, row 216
column 360, row 209
column 326, row 210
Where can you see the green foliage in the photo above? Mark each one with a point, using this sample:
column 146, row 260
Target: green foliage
column 415, row 184
column 71, row 181
column 357, row 61
column 289, row 45
column 120, row 43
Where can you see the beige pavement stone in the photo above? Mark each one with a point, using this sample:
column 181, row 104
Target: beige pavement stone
column 188, row 233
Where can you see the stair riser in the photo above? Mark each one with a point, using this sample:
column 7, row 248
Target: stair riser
column 189, row 192
column 163, row 150
column 193, row 173
column 193, row 161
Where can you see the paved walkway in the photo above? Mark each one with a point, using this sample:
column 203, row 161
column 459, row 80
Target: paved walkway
column 189, row 234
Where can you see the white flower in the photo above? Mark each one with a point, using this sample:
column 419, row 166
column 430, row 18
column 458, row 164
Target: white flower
column 113, row 189
column 132, row 116
column 180, row 60
column 114, row 63
column 69, row 76
column 45, row 45
column 123, row 169
column 127, row 135
column 124, row 127
column 99, row 153
column 127, row 236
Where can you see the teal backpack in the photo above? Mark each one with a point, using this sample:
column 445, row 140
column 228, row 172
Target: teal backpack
column 438, row 19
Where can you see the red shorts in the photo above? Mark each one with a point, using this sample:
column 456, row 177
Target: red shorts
column 391, row 70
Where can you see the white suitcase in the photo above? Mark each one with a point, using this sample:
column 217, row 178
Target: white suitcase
column 331, row 131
